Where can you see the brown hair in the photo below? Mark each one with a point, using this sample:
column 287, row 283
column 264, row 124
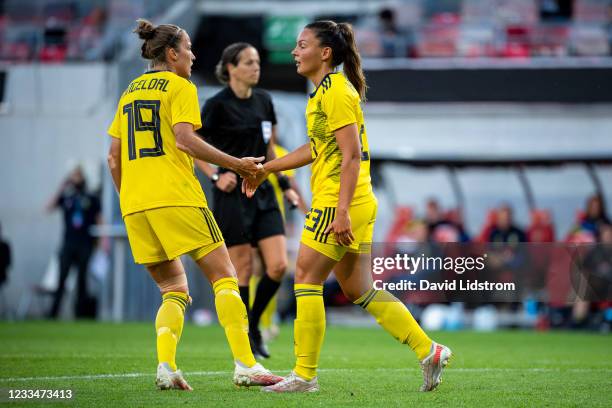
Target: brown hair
column 341, row 39
column 157, row 39
column 229, row 56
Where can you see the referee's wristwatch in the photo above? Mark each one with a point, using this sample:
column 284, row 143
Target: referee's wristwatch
column 214, row 178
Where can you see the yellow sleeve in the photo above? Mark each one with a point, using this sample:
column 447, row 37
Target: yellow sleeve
column 339, row 103
column 115, row 128
column 185, row 107
column 280, row 152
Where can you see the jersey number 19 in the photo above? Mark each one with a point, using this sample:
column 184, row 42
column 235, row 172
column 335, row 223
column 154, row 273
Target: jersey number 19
column 137, row 124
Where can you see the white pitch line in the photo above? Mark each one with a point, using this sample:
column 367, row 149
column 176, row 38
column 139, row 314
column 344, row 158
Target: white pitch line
column 219, row 373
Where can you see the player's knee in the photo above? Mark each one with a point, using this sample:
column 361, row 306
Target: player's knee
column 176, row 283
column 277, row 269
column 244, row 265
column 243, row 271
column 301, row 274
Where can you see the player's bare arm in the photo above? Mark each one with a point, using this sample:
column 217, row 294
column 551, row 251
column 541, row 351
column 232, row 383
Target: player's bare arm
column 297, row 158
column 114, row 162
column 188, row 142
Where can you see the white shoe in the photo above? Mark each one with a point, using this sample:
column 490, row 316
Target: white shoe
column 256, row 375
column 432, row 366
column 294, row 383
column 170, row 380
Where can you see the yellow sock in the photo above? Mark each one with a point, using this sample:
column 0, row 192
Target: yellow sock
column 396, row 319
column 169, row 326
column 233, row 318
column 309, row 329
column 267, row 316
column 253, row 281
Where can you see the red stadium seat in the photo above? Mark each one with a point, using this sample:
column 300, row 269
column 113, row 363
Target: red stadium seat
column 438, row 38
column 403, row 217
column 541, row 228
column 53, row 53
column 517, row 42
column 490, row 222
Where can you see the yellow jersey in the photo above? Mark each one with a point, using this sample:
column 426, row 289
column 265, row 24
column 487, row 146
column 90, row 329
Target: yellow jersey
column 154, row 173
column 334, row 104
column 278, row 191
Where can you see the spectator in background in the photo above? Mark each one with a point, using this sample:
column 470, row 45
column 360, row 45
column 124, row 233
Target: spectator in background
column 81, row 210
column 507, row 260
column 433, row 214
column 443, row 227
column 392, row 39
column 5, row 259
column 504, row 230
column 54, row 47
column 595, row 216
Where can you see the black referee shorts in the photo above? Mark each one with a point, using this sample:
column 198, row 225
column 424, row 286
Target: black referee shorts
column 244, row 220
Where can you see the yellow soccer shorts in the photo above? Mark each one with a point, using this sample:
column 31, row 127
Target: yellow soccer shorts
column 165, row 233
column 363, row 217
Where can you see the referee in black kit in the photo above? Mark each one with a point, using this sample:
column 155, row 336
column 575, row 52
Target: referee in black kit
column 240, row 121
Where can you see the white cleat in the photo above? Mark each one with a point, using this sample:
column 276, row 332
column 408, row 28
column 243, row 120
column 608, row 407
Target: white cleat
column 256, row 375
column 432, row 366
column 294, row 383
column 170, row 380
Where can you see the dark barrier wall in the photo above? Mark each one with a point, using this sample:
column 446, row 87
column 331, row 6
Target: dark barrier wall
column 564, row 85
column 217, row 32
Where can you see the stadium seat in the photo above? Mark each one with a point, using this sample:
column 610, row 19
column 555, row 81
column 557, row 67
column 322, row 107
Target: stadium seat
column 402, row 217
column 541, row 228
column 53, row 53
column 550, row 41
column 517, row 42
column 439, row 37
column 488, row 226
column 369, row 42
column 476, row 40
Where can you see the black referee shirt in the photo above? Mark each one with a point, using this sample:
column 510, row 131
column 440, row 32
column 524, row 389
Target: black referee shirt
column 239, row 127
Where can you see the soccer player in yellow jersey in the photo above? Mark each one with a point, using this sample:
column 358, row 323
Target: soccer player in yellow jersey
column 162, row 203
column 278, row 191
column 270, row 330
column 339, row 227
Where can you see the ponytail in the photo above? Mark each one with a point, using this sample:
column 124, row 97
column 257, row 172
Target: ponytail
column 341, row 39
column 352, row 61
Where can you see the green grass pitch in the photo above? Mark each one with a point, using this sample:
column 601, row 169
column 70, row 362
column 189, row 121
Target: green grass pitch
column 114, row 365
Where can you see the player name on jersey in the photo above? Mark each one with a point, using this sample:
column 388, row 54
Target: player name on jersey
column 159, row 84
